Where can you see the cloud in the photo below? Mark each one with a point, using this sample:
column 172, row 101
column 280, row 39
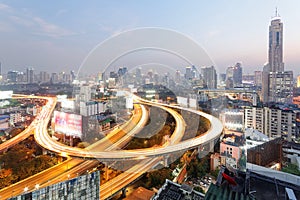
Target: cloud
column 213, row 33
column 5, row 27
column 21, row 21
column 4, row 7
column 48, row 29
column 24, row 20
column 113, row 31
column 61, row 12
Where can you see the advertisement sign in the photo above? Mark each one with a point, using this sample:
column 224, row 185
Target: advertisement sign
column 6, row 94
column 67, row 123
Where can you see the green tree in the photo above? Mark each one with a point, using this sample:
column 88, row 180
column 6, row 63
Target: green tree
column 292, row 169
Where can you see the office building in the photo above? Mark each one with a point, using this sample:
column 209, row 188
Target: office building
column 82, row 187
column 258, row 78
column 209, row 77
column 188, row 73
column 234, row 75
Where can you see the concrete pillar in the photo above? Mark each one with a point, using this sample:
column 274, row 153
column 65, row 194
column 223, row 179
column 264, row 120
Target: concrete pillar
column 211, row 146
column 106, row 174
column 166, row 158
column 123, row 193
column 45, row 151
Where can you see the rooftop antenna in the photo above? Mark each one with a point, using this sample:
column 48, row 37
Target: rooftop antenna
column 276, row 12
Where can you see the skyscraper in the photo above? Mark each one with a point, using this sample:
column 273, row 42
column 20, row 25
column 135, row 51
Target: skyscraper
column 30, row 75
column 277, row 83
column 234, row 74
column 209, row 77
column 276, row 44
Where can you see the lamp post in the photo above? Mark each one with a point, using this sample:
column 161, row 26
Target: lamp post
column 26, row 189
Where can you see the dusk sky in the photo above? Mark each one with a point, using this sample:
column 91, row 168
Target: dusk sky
column 58, row 36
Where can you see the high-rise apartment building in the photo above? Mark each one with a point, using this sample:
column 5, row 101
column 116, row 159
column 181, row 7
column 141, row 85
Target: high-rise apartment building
column 44, row 77
column 258, row 78
column 30, row 75
column 273, row 122
column 281, row 86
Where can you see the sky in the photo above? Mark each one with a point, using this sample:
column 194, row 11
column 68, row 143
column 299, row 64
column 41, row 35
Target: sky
column 59, row 35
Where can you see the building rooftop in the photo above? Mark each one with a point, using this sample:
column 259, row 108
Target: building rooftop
column 256, row 183
column 291, row 145
column 140, row 194
column 255, row 135
column 233, row 138
column 223, row 193
column 174, row 191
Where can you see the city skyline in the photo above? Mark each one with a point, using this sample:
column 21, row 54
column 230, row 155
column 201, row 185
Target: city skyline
column 50, row 36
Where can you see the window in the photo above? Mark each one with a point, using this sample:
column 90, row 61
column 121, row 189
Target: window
column 277, row 38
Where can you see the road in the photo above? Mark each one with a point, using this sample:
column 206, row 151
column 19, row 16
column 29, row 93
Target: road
column 116, row 184
column 73, row 166
column 214, row 132
column 123, row 132
column 24, row 134
column 43, row 139
column 41, row 178
column 174, row 144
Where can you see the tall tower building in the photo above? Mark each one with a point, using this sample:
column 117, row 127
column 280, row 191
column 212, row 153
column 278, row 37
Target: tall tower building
column 277, row 83
column 276, row 44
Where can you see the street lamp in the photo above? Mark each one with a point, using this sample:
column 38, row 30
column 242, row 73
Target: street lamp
column 26, row 189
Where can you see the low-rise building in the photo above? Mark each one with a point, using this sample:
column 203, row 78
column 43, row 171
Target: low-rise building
column 232, row 150
column 214, row 161
column 291, row 153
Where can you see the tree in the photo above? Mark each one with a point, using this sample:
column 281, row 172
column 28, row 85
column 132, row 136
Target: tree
column 292, row 169
column 158, row 177
column 199, row 189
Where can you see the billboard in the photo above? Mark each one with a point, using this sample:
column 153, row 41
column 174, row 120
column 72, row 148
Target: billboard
column 68, row 104
column 182, row 101
column 4, row 120
column 193, row 103
column 67, row 123
column 6, row 94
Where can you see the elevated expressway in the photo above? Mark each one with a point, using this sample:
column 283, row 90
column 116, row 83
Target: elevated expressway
column 109, row 153
column 120, row 182
column 43, row 139
column 150, row 156
column 72, row 167
column 24, row 134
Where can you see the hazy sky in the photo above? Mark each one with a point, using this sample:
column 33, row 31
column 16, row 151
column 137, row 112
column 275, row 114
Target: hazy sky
column 58, row 36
